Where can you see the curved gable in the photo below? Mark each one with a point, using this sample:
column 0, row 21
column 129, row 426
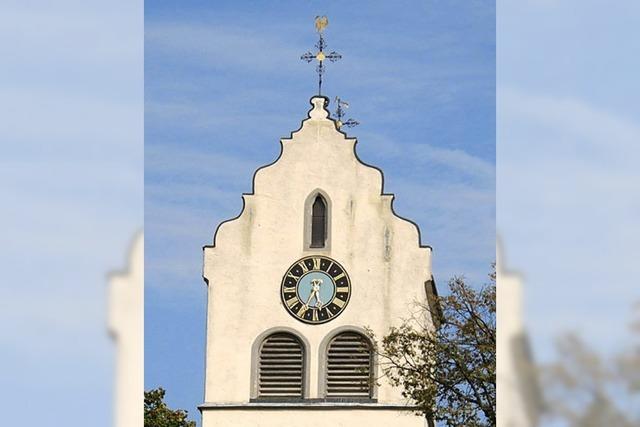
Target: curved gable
column 317, row 143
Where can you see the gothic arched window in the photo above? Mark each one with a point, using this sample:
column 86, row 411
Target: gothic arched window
column 281, row 366
column 318, row 222
column 349, row 366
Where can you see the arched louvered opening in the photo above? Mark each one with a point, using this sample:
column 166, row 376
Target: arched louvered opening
column 318, row 222
column 349, row 366
column 281, row 367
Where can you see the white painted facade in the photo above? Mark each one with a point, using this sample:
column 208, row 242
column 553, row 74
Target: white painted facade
column 388, row 267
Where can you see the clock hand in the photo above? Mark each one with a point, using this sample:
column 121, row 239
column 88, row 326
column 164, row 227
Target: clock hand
column 309, row 299
column 318, row 300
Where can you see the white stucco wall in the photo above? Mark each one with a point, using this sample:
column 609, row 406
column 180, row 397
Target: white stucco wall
column 312, row 418
column 244, row 268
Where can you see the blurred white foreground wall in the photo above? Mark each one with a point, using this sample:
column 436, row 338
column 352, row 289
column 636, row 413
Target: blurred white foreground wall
column 518, row 393
column 126, row 325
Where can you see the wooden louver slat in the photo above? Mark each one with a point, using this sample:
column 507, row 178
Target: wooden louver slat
column 349, row 366
column 281, row 366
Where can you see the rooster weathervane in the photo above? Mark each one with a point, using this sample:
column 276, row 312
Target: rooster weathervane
column 321, row 23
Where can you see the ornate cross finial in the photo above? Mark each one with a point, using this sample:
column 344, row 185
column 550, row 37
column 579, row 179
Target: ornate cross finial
column 341, row 106
column 320, row 56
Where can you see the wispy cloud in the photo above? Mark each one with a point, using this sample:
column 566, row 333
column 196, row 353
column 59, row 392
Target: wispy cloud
column 182, row 161
column 221, row 47
column 429, row 155
column 567, row 178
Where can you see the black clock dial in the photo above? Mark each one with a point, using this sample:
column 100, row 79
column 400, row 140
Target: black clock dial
column 315, row 289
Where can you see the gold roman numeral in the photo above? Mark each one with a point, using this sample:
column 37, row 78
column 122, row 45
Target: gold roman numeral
column 338, row 302
column 291, row 302
column 316, row 263
column 329, row 267
column 315, row 315
column 294, row 277
column 339, row 276
column 302, row 310
column 303, row 267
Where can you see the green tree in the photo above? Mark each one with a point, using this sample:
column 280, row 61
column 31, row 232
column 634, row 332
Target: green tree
column 447, row 371
column 158, row 414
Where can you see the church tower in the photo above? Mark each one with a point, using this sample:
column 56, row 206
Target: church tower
column 316, row 255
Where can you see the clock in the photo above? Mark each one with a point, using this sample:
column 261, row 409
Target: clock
column 315, row 289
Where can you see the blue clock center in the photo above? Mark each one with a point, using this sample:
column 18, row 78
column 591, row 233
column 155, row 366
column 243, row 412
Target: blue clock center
column 316, row 289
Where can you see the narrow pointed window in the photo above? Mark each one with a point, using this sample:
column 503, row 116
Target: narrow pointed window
column 318, row 223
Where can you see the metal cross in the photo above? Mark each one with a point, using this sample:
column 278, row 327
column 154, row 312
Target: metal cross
column 341, row 106
column 320, row 56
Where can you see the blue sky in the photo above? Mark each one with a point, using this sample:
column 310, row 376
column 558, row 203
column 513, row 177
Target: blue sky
column 568, row 175
column 568, row 133
column 71, row 179
column 420, row 77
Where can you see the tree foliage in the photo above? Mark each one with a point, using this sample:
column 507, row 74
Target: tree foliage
column 448, row 371
column 585, row 388
column 158, row 414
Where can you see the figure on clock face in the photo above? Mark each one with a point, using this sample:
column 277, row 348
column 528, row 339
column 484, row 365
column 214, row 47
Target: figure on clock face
column 315, row 289
column 315, row 292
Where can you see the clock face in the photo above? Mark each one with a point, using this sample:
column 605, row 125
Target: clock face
column 315, row 289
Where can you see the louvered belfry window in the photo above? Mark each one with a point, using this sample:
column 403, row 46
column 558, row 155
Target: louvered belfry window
column 349, row 366
column 318, row 223
column 281, row 367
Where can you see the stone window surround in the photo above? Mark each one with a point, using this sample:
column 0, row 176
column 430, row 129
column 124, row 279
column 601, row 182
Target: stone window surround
column 255, row 359
column 308, row 215
column 322, row 361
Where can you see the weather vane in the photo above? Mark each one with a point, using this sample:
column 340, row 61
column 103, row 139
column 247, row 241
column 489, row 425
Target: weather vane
column 341, row 106
column 320, row 56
